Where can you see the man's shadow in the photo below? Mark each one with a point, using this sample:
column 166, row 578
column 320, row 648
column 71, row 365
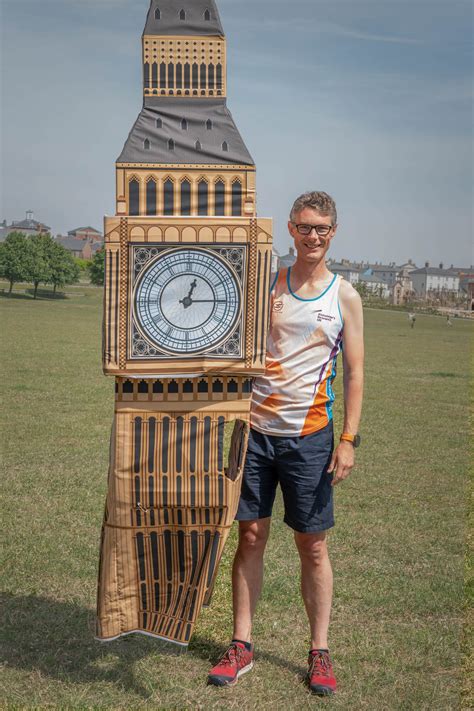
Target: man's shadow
column 57, row 639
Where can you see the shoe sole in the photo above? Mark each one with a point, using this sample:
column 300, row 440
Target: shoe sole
column 214, row 682
column 322, row 690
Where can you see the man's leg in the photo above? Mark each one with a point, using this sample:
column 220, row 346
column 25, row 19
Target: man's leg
column 316, row 584
column 247, row 574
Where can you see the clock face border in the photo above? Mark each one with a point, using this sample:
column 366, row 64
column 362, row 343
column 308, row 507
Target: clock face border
column 141, row 348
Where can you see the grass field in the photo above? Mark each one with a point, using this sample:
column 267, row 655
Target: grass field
column 398, row 547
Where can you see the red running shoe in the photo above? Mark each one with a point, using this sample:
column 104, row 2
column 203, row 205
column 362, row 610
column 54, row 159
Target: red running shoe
column 321, row 677
column 234, row 662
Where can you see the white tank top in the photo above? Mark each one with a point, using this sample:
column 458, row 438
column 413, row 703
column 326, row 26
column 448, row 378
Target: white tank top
column 294, row 397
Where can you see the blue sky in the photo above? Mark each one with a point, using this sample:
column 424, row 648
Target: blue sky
column 370, row 100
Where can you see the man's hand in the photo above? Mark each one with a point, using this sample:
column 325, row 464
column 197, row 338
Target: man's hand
column 342, row 462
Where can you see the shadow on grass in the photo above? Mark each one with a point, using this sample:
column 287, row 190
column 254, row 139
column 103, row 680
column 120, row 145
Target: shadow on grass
column 15, row 295
column 57, row 639
column 29, row 295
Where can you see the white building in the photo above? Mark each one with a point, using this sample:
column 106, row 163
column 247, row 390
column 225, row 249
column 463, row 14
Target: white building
column 26, row 227
column 376, row 285
column 347, row 270
column 430, row 281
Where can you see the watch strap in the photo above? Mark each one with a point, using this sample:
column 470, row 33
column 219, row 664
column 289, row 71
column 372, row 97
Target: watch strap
column 353, row 439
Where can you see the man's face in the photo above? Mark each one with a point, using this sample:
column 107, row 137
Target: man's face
column 311, row 247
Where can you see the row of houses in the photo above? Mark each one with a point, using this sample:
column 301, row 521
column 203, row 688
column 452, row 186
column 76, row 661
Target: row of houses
column 82, row 242
column 400, row 283
column 395, row 283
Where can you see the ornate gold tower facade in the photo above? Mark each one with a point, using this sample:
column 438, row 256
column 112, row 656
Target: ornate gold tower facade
column 185, row 317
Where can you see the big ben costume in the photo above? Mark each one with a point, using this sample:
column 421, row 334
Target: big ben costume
column 185, row 318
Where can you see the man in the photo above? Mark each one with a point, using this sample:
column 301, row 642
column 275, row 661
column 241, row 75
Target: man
column 314, row 315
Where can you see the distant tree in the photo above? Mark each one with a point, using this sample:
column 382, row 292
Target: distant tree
column 62, row 266
column 97, row 268
column 14, row 260
column 83, row 265
column 39, row 266
column 361, row 288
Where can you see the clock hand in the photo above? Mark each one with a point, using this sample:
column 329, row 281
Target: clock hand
column 209, row 301
column 187, row 301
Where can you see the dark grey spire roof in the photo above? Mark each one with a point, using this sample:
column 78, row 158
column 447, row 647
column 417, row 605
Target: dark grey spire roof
column 162, row 119
column 167, row 20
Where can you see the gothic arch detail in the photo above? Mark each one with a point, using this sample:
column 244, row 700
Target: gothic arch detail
column 168, row 197
column 219, row 198
column 186, row 197
column 236, row 198
column 151, row 194
column 134, row 196
column 203, row 197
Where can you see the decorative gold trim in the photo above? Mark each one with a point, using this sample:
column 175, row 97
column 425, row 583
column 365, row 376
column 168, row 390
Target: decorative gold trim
column 123, row 292
column 252, row 279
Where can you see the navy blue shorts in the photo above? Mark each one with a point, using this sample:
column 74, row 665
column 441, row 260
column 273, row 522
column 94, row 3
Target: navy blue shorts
column 299, row 465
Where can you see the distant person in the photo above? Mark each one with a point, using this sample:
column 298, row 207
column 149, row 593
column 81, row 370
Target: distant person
column 412, row 319
column 448, row 321
column 314, row 315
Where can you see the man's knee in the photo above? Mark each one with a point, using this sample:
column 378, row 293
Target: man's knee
column 312, row 547
column 253, row 535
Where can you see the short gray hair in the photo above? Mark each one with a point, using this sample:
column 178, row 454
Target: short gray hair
column 319, row 201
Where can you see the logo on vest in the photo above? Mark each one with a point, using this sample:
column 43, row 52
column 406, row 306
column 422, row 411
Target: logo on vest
column 278, row 306
column 325, row 317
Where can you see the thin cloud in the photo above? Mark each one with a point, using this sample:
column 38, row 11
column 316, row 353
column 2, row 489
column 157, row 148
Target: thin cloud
column 369, row 36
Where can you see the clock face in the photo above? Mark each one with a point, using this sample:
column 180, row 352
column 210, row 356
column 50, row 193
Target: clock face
column 187, row 301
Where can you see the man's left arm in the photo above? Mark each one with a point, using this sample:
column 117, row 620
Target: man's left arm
column 353, row 360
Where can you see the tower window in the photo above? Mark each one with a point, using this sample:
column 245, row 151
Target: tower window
column 186, row 198
column 146, row 74
column 203, row 198
column 211, row 76
column 163, row 75
column 207, row 16
column 187, row 76
column 154, row 75
column 157, row 14
column 169, row 197
column 197, row 145
column 237, row 198
column 170, row 75
column 195, row 76
column 182, row 15
column 219, row 198
column 209, row 125
column 171, row 145
column 146, row 144
column 151, row 197
column 203, row 76
column 159, row 123
column 184, row 125
column 179, row 76
column 134, row 197
column 225, row 146
column 219, row 76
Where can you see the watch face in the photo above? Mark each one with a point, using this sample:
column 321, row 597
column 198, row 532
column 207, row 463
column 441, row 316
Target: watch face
column 187, row 301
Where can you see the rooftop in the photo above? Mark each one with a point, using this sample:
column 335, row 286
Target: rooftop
column 71, row 243
column 435, row 271
column 183, row 17
column 169, row 130
column 84, row 229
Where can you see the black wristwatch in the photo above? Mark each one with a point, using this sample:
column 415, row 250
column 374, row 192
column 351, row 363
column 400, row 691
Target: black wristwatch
column 353, row 439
